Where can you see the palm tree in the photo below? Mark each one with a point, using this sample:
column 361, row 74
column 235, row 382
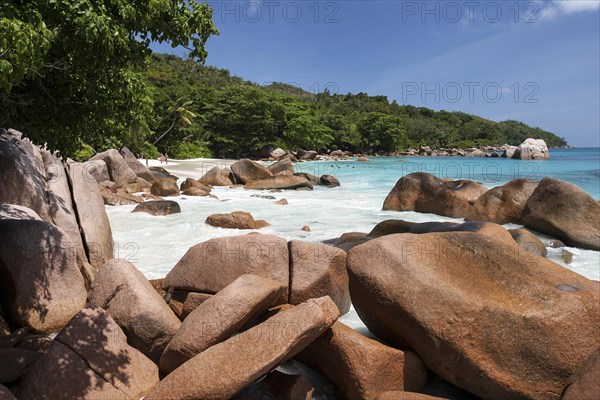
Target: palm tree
column 181, row 114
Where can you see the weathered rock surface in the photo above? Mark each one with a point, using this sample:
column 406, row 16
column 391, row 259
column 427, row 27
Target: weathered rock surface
column 219, row 317
column 159, row 207
column 399, row 395
column 89, row 359
column 97, row 169
column 165, row 187
column 425, row 193
column 246, row 171
column 283, row 165
column 528, row 242
column 93, row 221
column 566, row 211
column 42, row 287
column 118, row 169
column 6, row 394
column 217, row 177
column 22, row 174
column 224, row 369
column 285, row 182
column 309, row 177
column 329, row 180
column 194, row 191
column 584, row 383
column 118, row 198
column 503, row 204
column 136, row 166
column 235, row 220
column 318, row 270
column 136, row 307
column 13, row 211
column 13, row 362
column 360, row 367
column 532, row 149
column 192, row 183
column 480, row 313
column 210, row 266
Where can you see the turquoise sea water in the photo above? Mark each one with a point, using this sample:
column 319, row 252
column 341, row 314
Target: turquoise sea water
column 155, row 244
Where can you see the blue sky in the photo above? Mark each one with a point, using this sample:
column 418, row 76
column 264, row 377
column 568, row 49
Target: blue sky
column 534, row 61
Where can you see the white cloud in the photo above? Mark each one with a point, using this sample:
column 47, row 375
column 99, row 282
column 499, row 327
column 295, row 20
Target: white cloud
column 555, row 8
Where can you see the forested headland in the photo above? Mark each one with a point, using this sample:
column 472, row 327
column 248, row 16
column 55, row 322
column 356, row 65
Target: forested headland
column 82, row 80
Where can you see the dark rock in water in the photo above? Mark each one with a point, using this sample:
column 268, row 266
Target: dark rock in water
column 584, row 383
column 248, row 171
column 235, row 220
column 311, row 178
column 262, row 196
column 285, row 182
column 567, row 256
column 158, row 207
column 529, row 242
column 481, row 313
column 282, row 202
column 217, row 177
column 555, row 244
column 426, row 193
column 192, row 183
column 329, row 180
column 283, row 165
column 566, row 211
column 194, row 191
column 165, row 187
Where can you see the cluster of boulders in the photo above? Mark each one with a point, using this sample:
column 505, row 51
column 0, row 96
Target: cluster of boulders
column 280, row 175
column 530, row 149
column 550, row 206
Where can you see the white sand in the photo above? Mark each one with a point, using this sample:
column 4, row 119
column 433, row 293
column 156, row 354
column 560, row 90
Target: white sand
column 193, row 168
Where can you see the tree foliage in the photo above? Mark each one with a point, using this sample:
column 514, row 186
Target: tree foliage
column 70, row 70
column 237, row 117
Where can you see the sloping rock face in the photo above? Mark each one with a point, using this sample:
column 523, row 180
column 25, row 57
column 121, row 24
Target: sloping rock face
column 584, row 383
column 235, row 220
column 217, row 177
column 566, row 211
column 425, row 193
column 42, row 286
column 22, row 174
column 486, row 316
column 503, row 204
column 136, row 166
column 279, row 182
column 91, row 216
column 89, row 359
column 318, row 270
column 282, row 166
column 247, row 171
column 219, row 317
column 136, row 307
column 210, row 266
column 360, row 367
column 532, row 149
column 226, row 368
column 528, row 241
column 118, row 169
column 165, row 187
column 158, row 207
